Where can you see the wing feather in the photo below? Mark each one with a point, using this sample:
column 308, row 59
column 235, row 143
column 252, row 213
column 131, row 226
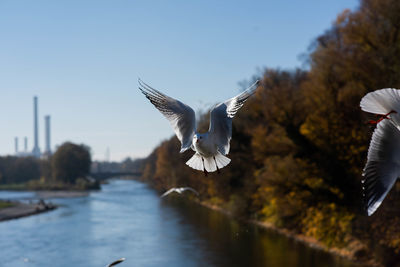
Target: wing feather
column 383, row 164
column 190, row 189
column 181, row 117
column 222, row 115
column 168, row 192
column 381, row 101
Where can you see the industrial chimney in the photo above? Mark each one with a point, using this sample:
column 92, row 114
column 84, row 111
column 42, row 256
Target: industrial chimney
column 26, row 144
column 36, row 149
column 16, row 145
column 47, row 123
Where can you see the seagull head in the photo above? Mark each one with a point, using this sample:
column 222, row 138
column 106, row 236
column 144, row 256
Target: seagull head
column 198, row 138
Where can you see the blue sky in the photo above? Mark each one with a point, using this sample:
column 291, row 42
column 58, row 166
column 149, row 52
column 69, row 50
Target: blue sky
column 83, row 58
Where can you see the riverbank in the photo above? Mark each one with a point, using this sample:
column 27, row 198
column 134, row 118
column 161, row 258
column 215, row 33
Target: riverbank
column 355, row 251
column 40, row 185
column 18, row 210
column 14, row 209
column 61, row 194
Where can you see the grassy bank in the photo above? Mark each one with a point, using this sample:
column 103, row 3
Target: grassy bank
column 5, row 204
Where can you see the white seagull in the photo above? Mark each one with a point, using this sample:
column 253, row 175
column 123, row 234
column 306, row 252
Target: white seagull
column 179, row 190
column 210, row 147
column 383, row 162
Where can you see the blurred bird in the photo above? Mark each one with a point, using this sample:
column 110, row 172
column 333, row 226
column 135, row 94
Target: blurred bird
column 179, row 190
column 383, row 161
column 116, row 262
column 210, row 147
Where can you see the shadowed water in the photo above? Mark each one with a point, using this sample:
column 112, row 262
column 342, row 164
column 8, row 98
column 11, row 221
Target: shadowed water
column 128, row 219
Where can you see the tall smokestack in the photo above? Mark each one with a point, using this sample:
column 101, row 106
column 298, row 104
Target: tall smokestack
column 16, row 145
column 26, row 144
column 36, row 149
column 47, row 122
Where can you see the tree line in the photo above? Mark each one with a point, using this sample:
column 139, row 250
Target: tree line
column 67, row 168
column 300, row 143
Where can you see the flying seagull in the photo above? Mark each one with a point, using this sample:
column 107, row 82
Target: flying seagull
column 116, row 262
column 211, row 147
column 179, row 190
column 383, row 161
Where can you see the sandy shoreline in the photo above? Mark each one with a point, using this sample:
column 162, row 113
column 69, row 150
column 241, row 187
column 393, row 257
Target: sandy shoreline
column 19, row 209
column 22, row 210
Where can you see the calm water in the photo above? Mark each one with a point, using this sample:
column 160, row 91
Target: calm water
column 128, row 219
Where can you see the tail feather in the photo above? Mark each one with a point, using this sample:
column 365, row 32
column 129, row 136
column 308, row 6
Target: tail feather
column 209, row 164
column 381, row 101
column 222, row 161
column 196, row 162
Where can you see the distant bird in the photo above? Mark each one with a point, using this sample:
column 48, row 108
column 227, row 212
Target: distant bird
column 210, row 147
column 180, row 190
column 383, row 161
column 116, row 262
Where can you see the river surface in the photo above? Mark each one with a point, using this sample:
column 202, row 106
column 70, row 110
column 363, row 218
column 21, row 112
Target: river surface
column 128, row 219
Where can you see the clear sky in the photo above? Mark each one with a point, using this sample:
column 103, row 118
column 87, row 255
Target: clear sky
column 83, row 58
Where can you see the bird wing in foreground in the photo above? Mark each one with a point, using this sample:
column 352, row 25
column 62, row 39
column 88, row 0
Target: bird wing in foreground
column 116, row 262
column 190, row 189
column 181, row 116
column 222, row 115
column 169, row 192
column 381, row 101
column 383, row 165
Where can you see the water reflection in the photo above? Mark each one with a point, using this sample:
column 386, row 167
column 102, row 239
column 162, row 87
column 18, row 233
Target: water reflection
column 128, row 219
column 230, row 243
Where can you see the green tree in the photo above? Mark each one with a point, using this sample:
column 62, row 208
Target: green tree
column 71, row 162
column 25, row 169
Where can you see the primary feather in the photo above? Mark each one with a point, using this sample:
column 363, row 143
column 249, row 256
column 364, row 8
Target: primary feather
column 383, row 161
column 221, row 118
column 383, row 165
column 181, row 116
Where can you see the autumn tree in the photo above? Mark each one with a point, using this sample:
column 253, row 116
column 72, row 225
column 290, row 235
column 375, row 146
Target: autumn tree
column 300, row 143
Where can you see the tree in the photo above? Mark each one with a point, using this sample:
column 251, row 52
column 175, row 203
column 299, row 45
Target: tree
column 299, row 145
column 71, row 162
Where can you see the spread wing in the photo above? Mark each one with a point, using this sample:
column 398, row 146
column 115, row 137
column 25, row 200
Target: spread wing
column 222, row 115
column 383, row 165
column 168, row 192
column 190, row 189
column 381, row 101
column 116, row 262
column 181, row 116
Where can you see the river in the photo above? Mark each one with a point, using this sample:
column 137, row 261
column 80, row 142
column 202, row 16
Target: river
column 128, row 219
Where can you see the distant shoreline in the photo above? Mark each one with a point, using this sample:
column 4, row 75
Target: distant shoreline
column 61, row 194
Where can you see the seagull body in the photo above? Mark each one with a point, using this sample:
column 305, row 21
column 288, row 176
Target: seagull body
column 211, row 147
column 179, row 190
column 383, row 161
